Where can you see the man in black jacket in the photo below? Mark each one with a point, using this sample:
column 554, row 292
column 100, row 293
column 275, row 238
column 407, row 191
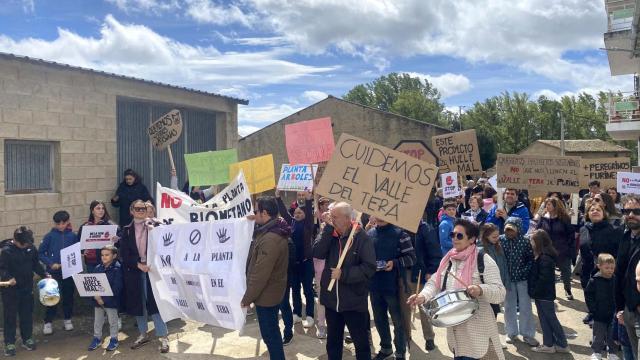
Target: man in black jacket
column 346, row 304
column 428, row 257
column 626, row 292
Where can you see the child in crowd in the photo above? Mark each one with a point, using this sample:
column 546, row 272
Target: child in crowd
column 18, row 263
column 600, row 302
column 108, row 304
column 60, row 237
column 490, row 238
column 542, row 288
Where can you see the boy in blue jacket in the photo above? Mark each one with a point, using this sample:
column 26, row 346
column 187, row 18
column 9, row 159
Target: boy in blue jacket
column 108, row 304
column 60, row 237
column 446, row 226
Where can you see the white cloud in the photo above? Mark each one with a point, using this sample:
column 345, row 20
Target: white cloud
column 314, row 95
column 28, row 6
column 206, row 11
column 154, row 6
column 264, row 115
column 244, row 130
column 138, row 51
column 448, row 84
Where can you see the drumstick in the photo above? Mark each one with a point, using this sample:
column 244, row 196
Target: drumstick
column 457, row 278
column 345, row 250
column 413, row 313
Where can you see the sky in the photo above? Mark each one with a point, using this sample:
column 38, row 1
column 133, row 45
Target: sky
column 284, row 55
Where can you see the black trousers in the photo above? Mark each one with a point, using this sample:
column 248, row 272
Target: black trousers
column 17, row 303
column 358, row 325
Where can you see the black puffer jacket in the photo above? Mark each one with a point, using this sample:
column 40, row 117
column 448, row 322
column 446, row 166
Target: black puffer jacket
column 600, row 299
column 602, row 238
column 350, row 293
column 562, row 234
column 126, row 195
column 542, row 278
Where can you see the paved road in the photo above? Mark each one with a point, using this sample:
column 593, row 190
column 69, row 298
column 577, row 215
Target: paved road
column 191, row 340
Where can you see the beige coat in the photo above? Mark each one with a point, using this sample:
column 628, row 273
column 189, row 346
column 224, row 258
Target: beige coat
column 474, row 337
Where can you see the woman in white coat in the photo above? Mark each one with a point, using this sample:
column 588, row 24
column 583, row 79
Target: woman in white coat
column 478, row 337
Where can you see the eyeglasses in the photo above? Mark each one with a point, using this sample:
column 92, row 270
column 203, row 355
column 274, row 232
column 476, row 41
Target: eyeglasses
column 456, row 235
column 139, row 209
column 635, row 212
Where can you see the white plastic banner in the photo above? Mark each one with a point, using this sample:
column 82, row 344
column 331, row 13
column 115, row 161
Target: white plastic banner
column 449, row 185
column 198, row 270
column 176, row 207
column 92, row 284
column 296, row 177
column 628, row 183
column 97, row 236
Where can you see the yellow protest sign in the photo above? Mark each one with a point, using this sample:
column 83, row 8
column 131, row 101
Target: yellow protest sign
column 259, row 173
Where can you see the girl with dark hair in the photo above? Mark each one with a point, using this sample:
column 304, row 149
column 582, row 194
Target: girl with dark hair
column 490, row 238
column 130, row 189
column 542, row 289
column 615, row 195
column 98, row 215
column 615, row 217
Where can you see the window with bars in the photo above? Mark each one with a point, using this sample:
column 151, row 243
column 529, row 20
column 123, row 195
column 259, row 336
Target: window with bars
column 29, row 166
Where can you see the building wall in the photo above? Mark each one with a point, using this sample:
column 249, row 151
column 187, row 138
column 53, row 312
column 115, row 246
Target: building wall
column 77, row 109
column 379, row 127
column 543, row 149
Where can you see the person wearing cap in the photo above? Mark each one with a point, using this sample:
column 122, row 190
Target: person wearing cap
column 18, row 262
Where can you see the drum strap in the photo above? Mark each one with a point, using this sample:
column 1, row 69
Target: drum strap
column 480, row 264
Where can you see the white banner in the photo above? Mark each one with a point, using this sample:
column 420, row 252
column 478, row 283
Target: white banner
column 198, row 270
column 71, row 260
column 296, row 177
column 97, row 236
column 176, row 207
column 92, row 284
column 449, row 185
column 628, row 183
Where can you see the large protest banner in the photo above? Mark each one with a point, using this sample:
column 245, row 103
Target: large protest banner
column 539, row 174
column 198, row 270
column 376, row 180
column 458, row 152
column 210, row 167
column 628, row 183
column 176, row 207
column 603, row 170
column 309, row 142
column 297, row 177
column 259, row 173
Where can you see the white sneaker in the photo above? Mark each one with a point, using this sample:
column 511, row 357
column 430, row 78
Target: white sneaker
column 613, row 357
column 68, row 326
column 308, row 322
column 596, row 356
column 296, row 319
column 544, row 349
column 47, row 329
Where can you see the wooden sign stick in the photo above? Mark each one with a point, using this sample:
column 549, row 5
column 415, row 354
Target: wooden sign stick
column 413, row 314
column 173, row 165
column 459, row 280
column 346, row 249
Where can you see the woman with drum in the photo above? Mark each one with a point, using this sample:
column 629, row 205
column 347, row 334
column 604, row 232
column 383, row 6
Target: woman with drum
column 477, row 337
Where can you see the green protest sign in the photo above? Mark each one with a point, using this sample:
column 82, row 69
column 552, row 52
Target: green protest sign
column 210, row 167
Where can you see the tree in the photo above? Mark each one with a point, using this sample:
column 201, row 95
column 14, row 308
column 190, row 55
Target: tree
column 400, row 94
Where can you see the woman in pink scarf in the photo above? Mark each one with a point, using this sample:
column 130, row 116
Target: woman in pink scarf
column 478, row 337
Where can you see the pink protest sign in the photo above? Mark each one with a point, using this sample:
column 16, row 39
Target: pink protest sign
column 309, row 142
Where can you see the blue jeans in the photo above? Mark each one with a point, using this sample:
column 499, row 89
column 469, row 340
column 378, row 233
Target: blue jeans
column 552, row 333
column 303, row 275
column 287, row 315
column 518, row 323
column 159, row 325
column 270, row 331
column 383, row 305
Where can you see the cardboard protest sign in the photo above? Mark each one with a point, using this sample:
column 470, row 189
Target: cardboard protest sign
column 309, row 142
column 176, row 207
column 458, row 152
column 539, row 174
column 418, row 150
column 376, row 180
column 259, row 173
column 97, row 236
column 449, row 185
column 603, row 170
column 198, row 270
column 628, row 183
column 90, row 285
column 210, row 167
column 71, row 259
column 297, row 177
column 166, row 130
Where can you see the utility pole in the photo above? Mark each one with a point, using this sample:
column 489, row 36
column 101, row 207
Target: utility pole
column 561, row 133
column 460, row 116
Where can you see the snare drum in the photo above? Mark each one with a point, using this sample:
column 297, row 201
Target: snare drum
column 450, row 308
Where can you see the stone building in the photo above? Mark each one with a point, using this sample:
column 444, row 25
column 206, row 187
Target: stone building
column 67, row 134
column 594, row 148
column 371, row 124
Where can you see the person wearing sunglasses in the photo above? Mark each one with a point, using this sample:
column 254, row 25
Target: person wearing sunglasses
column 626, row 292
column 518, row 315
column 477, row 337
column 615, row 216
column 139, row 300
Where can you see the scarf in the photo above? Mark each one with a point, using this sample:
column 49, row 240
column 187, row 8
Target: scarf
column 469, row 256
column 140, row 229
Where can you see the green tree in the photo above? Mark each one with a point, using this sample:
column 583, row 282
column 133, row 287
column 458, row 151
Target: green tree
column 401, row 94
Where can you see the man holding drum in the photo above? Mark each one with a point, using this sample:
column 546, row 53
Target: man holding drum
column 478, row 336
